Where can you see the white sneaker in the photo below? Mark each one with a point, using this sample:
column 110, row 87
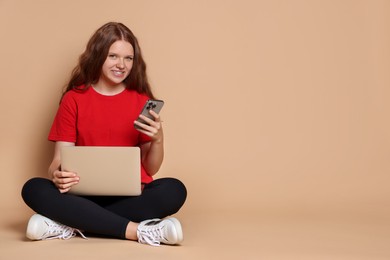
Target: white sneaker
column 42, row 228
column 156, row 231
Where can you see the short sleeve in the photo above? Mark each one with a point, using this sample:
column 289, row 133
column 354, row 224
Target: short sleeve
column 64, row 124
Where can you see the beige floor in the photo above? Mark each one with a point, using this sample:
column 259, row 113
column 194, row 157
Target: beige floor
column 221, row 235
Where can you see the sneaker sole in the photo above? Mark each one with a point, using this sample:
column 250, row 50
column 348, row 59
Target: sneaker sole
column 178, row 228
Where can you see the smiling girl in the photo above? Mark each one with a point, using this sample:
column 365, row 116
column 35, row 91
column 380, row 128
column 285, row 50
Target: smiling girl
column 99, row 107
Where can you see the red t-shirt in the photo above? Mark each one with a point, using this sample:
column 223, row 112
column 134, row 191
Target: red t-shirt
column 88, row 118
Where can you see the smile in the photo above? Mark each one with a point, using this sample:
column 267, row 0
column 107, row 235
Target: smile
column 118, row 73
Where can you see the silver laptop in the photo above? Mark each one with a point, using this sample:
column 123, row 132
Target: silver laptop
column 110, row 171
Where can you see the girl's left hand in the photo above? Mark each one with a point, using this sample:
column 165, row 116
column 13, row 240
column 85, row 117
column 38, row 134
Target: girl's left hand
column 153, row 128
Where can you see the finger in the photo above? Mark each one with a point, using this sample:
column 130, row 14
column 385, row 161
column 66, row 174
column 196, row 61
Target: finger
column 147, row 119
column 149, row 131
column 145, row 132
column 64, row 177
column 140, row 125
column 65, row 181
column 155, row 115
column 66, row 186
column 150, row 124
column 64, row 190
column 68, row 180
column 153, row 128
column 64, row 174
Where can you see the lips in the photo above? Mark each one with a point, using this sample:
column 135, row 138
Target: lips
column 118, row 73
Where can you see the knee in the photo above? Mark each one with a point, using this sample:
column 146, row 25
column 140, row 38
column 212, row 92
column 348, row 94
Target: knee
column 32, row 188
column 176, row 192
column 181, row 190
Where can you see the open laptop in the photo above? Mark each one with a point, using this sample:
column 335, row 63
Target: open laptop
column 110, row 171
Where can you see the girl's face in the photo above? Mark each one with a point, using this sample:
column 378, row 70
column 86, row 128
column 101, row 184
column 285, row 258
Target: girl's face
column 118, row 64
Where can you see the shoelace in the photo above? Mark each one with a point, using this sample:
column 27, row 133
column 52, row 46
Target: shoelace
column 60, row 231
column 151, row 236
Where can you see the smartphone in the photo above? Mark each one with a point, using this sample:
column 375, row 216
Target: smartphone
column 155, row 105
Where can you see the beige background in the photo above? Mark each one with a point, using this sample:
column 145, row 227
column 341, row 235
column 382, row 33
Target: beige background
column 276, row 118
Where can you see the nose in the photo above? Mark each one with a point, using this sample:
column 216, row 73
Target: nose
column 120, row 63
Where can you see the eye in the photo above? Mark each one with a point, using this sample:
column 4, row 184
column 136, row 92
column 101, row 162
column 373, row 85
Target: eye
column 112, row 56
column 129, row 58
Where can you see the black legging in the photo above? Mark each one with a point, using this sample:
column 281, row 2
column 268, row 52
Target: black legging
column 104, row 215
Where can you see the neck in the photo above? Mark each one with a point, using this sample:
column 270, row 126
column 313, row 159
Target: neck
column 108, row 90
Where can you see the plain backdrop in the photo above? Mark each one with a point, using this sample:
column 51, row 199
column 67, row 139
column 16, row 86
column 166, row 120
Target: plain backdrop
column 270, row 106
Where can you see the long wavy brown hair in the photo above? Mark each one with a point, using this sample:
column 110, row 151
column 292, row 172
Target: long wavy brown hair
column 88, row 69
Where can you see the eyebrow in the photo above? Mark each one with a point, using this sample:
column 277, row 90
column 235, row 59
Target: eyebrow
column 114, row 53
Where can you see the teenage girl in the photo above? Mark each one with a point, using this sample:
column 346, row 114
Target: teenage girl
column 100, row 107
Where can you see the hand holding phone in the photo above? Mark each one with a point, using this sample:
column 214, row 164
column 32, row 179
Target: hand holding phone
column 154, row 105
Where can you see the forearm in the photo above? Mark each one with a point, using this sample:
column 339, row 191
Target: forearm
column 153, row 158
column 55, row 165
column 153, row 151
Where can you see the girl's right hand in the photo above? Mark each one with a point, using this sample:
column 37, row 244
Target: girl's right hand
column 65, row 180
